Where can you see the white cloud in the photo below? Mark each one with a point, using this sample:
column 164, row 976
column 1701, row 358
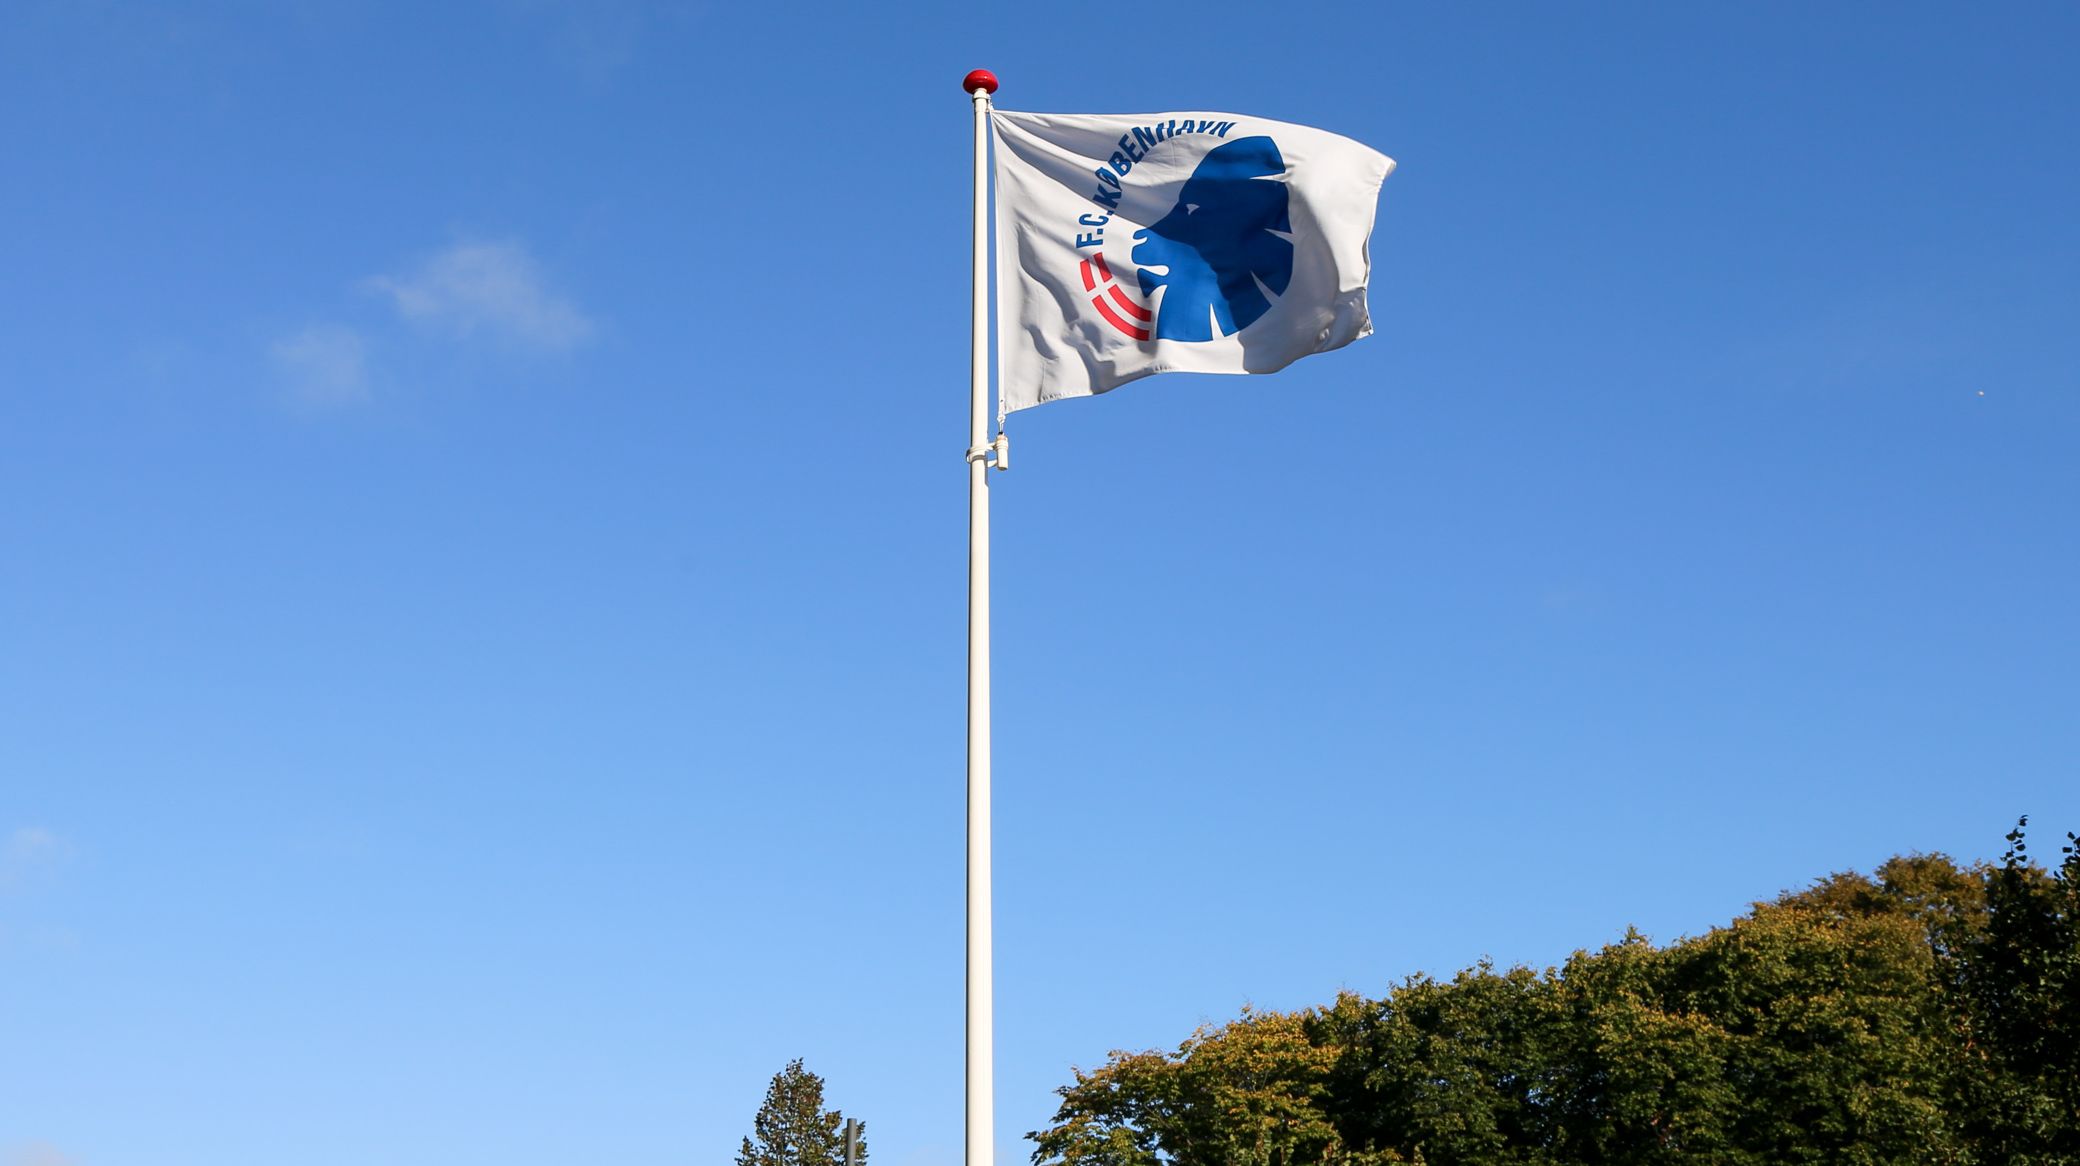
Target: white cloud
column 39, row 1154
column 326, row 364
column 494, row 289
column 27, row 850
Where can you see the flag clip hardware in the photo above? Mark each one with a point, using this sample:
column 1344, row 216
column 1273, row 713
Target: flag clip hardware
column 997, row 453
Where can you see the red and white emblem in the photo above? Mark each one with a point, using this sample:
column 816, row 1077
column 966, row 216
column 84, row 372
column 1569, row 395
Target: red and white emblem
column 1111, row 299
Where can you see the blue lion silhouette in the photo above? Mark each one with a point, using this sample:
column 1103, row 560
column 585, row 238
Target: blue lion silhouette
column 1217, row 244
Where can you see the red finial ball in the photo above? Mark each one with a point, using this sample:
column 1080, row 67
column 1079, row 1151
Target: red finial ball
column 980, row 79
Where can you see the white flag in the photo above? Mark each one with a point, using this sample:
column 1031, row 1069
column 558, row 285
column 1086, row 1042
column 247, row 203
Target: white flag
column 1174, row 242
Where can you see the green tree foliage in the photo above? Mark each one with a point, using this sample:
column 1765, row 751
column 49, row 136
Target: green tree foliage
column 2019, row 980
column 793, row 1129
column 1926, row 1013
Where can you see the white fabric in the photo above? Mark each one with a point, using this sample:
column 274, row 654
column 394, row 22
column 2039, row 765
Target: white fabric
column 1197, row 280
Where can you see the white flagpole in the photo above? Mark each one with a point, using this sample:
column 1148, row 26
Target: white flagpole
column 981, row 996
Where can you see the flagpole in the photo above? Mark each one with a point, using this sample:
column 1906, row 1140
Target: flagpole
column 981, row 1085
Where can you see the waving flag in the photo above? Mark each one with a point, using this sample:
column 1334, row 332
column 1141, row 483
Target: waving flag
column 1205, row 242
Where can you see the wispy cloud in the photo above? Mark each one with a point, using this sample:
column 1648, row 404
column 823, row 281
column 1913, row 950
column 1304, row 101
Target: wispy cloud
column 39, row 1154
column 326, row 365
column 600, row 38
column 27, row 851
column 487, row 289
column 475, row 294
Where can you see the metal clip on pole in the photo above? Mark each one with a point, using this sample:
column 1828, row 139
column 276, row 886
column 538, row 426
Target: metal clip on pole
column 997, row 453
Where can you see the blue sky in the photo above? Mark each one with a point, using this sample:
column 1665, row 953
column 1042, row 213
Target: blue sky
column 482, row 516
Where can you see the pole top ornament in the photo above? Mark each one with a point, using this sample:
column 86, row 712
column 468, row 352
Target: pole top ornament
column 980, row 79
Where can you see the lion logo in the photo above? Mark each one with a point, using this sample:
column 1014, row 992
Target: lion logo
column 1224, row 253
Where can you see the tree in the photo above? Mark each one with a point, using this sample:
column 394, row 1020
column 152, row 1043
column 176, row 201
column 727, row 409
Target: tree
column 1246, row 1094
column 793, row 1129
column 2019, row 983
column 1928, row 1013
